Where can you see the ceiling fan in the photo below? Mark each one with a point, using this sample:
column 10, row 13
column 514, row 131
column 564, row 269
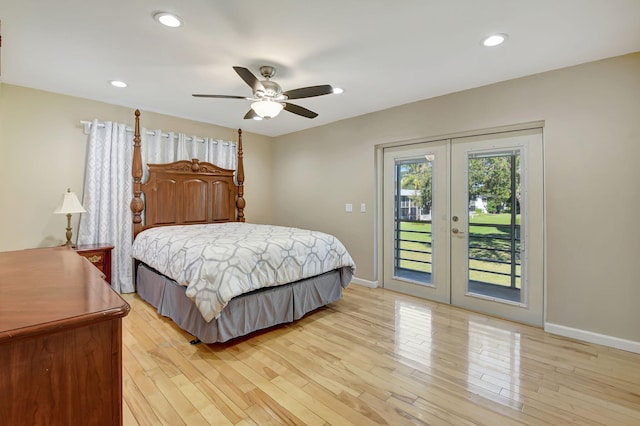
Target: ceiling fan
column 268, row 97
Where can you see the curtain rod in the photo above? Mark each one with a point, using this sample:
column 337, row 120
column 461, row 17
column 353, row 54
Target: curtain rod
column 87, row 128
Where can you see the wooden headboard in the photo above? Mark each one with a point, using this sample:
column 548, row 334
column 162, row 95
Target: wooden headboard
column 185, row 192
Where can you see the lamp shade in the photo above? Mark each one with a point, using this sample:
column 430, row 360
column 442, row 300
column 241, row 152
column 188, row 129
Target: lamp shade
column 267, row 109
column 69, row 204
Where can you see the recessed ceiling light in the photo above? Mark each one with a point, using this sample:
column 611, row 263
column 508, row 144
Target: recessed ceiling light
column 118, row 83
column 494, row 40
column 337, row 90
column 168, row 19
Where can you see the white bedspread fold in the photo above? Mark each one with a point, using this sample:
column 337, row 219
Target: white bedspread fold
column 217, row 262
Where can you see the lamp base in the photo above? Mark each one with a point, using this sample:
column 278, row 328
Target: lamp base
column 68, row 234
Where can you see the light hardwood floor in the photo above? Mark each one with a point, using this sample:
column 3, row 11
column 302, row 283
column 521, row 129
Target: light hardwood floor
column 375, row 357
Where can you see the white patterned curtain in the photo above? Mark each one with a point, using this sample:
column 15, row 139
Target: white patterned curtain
column 107, row 194
column 221, row 153
column 108, row 186
column 156, row 150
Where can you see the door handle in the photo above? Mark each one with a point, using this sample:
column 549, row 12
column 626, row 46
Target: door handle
column 457, row 231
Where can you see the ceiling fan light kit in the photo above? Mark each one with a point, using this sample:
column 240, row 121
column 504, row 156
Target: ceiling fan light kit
column 267, row 108
column 269, row 99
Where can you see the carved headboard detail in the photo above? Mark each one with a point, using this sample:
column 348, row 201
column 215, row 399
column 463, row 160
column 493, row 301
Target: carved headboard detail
column 185, row 192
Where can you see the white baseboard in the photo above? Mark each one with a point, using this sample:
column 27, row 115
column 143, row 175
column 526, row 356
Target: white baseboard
column 363, row 282
column 589, row 336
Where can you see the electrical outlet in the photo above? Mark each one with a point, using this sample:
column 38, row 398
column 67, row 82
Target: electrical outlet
column 363, row 207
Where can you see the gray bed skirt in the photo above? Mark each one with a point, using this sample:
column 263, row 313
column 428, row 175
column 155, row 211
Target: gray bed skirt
column 244, row 314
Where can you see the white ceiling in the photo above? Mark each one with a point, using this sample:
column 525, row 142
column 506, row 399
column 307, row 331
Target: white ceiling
column 382, row 52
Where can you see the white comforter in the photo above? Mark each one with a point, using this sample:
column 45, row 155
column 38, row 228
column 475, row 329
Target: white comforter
column 220, row 261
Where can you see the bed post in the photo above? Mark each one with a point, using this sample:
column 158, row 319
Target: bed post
column 136, row 171
column 240, row 203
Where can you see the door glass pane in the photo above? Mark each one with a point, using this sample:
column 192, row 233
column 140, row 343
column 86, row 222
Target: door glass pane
column 412, row 230
column 494, row 242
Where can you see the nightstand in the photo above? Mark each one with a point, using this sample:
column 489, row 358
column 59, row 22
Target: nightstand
column 99, row 255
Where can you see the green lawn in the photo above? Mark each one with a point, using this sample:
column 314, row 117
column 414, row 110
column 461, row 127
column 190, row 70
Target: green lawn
column 495, row 237
column 494, row 219
column 424, row 246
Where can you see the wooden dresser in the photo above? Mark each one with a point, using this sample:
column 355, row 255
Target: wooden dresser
column 60, row 341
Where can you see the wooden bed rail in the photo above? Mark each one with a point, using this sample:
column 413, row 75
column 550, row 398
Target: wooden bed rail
column 185, row 192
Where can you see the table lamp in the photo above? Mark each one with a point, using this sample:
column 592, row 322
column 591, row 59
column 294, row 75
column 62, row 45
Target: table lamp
column 68, row 206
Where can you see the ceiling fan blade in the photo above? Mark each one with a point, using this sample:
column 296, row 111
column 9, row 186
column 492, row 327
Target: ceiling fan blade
column 309, row 92
column 250, row 79
column 297, row 109
column 250, row 114
column 199, row 95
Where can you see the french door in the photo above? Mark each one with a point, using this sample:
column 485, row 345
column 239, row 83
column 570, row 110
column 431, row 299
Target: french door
column 463, row 223
column 416, row 225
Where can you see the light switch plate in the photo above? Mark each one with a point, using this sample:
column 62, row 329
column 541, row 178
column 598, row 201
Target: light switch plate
column 348, row 207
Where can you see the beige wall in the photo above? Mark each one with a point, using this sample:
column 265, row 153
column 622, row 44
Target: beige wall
column 592, row 142
column 592, row 149
column 42, row 152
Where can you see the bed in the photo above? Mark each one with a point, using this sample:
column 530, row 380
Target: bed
column 197, row 209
